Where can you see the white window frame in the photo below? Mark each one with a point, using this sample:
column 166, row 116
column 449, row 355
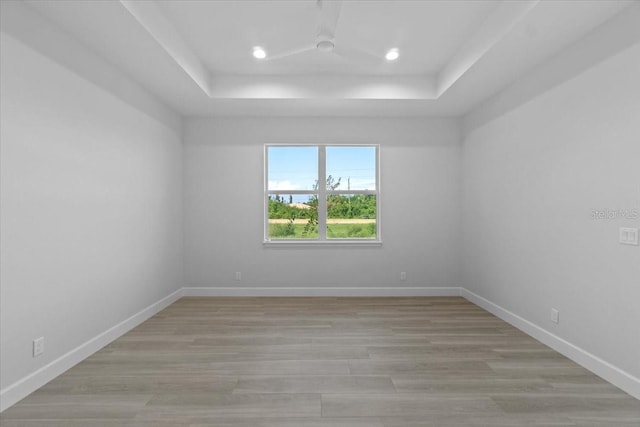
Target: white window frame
column 322, row 193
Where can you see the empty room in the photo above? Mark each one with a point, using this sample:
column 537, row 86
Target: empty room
column 314, row 213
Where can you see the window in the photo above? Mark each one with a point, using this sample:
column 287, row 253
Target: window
column 321, row 193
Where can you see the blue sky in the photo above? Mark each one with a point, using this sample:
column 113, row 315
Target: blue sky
column 293, row 168
column 296, row 168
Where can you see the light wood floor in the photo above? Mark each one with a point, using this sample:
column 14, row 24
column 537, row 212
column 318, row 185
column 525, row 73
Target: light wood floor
column 318, row 362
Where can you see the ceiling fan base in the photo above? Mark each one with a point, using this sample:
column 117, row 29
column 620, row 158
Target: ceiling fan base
column 325, row 46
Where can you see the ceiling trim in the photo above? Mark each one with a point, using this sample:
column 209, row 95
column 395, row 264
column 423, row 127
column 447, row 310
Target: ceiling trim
column 615, row 36
column 494, row 28
column 152, row 19
column 19, row 21
column 323, row 87
column 417, row 87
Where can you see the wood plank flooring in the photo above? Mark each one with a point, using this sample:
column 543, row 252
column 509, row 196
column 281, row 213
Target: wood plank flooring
column 319, row 362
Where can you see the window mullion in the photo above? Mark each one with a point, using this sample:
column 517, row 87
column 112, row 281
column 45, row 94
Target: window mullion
column 322, row 193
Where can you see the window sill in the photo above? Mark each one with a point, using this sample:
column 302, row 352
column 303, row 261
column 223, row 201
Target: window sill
column 321, row 244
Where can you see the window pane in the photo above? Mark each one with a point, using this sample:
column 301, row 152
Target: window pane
column 292, row 168
column 353, row 168
column 351, row 216
column 293, row 216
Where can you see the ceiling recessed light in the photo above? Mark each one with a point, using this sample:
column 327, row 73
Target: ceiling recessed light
column 259, row 53
column 392, row 54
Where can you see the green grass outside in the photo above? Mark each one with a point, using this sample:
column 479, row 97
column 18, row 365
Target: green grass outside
column 334, row 231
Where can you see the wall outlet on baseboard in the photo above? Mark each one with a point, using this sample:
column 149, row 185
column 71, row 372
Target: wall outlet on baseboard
column 403, row 275
column 238, row 276
column 38, row 346
column 555, row 316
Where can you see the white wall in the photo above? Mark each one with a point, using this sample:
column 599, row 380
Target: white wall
column 420, row 169
column 92, row 201
column 23, row 23
column 531, row 179
column 91, row 210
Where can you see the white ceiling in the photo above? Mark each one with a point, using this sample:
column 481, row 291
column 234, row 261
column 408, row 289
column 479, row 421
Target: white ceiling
column 195, row 56
column 222, row 33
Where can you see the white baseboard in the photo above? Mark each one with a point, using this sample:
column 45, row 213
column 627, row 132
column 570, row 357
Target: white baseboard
column 602, row 368
column 22, row 388
column 322, row 292
column 27, row 385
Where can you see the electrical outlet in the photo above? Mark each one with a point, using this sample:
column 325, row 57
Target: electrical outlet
column 403, row 275
column 38, row 346
column 238, row 276
column 629, row 236
column 555, row 316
